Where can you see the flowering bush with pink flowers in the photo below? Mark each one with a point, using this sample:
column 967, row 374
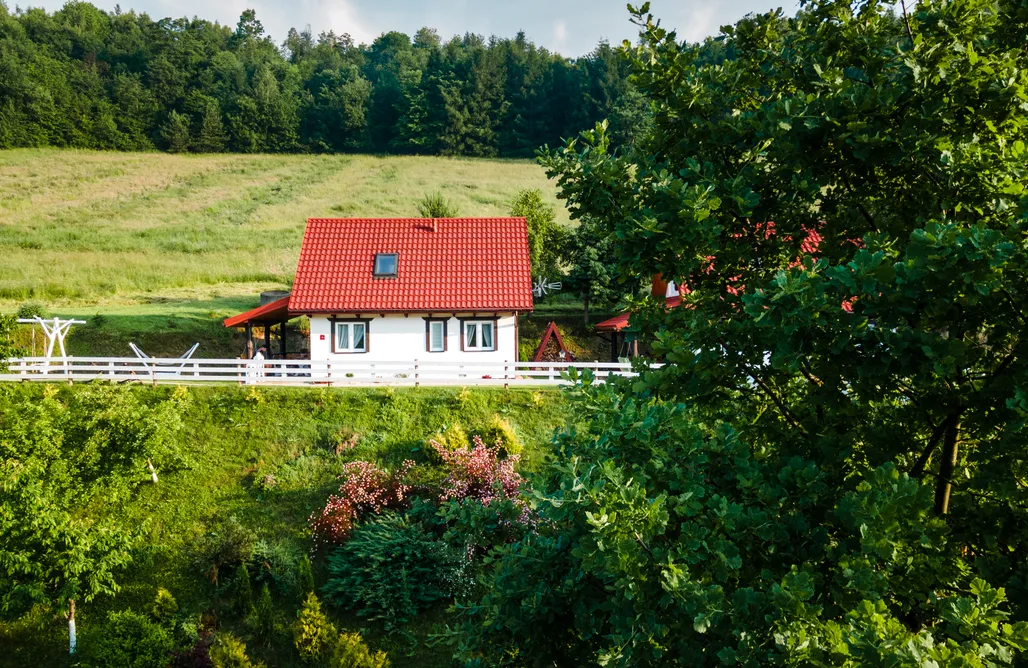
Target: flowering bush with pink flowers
column 365, row 489
column 478, row 473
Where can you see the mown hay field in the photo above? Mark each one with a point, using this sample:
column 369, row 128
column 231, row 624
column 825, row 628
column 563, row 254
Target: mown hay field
column 165, row 246
column 83, row 228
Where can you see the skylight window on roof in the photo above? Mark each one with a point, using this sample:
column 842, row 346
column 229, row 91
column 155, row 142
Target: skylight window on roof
column 386, row 265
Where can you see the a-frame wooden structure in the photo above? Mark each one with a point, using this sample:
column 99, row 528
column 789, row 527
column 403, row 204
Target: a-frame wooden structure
column 550, row 332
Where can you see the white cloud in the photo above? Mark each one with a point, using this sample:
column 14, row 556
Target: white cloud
column 560, row 36
column 699, row 23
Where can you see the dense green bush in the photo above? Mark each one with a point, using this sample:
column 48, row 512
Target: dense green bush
column 390, row 569
column 350, row 651
column 313, row 633
column 32, row 309
column 453, row 437
column 262, row 620
column 226, row 545
column 228, row 651
column 242, row 591
column 127, row 640
column 164, row 606
column 275, row 563
column 500, row 432
column 435, row 205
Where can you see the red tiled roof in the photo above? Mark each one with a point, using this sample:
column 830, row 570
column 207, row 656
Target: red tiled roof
column 449, row 264
column 620, row 322
column 275, row 311
column 810, row 245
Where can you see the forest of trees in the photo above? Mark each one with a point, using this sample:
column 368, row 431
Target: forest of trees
column 83, row 77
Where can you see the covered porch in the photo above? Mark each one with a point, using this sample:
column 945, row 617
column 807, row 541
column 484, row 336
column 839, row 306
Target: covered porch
column 624, row 342
column 269, row 319
column 624, row 339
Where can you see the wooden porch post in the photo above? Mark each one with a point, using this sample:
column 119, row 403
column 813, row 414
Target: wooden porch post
column 614, row 346
column 249, row 340
column 267, row 339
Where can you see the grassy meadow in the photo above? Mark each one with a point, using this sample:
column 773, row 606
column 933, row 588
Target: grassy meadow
column 164, row 246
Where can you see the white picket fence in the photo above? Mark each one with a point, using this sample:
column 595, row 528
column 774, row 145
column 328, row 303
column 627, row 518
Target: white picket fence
column 301, row 372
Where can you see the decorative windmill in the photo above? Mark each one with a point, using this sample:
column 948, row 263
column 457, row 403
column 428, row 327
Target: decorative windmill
column 543, row 287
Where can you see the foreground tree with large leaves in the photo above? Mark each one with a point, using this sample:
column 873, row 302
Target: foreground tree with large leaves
column 67, row 462
column 834, row 469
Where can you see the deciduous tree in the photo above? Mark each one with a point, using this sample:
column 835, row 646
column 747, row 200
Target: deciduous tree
column 831, row 468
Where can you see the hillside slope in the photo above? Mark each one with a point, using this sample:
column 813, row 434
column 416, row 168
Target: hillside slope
column 164, row 246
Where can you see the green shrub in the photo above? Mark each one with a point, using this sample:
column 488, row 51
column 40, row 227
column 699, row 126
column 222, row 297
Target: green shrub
column 434, row 205
column 305, row 577
column 128, row 640
column 500, row 432
column 242, row 591
column 452, row 438
column 230, row 652
column 164, row 606
column 390, row 569
column 349, row 651
column 32, row 309
column 275, row 564
column 262, row 619
column 313, row 633
column 225, row 545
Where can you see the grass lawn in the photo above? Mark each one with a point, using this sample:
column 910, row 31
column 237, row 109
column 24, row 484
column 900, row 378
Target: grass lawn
column 234, row 440
column 158, row 242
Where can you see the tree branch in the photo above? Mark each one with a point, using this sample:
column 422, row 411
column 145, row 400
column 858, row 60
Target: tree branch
column 860, row 207
column 944, row 485
column 814, row 380
column 926, row 454
column 782, row 408
column 906, row 20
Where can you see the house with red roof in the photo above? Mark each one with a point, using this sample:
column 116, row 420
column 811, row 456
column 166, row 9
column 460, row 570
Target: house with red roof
column 403, row 289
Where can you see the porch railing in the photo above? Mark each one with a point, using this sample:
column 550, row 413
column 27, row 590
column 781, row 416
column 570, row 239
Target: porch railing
column 302, row 372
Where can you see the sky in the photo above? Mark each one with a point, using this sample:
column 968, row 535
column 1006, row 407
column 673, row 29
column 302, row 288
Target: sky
column 570, row 27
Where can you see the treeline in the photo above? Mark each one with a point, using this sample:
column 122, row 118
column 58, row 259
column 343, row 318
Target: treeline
column 83, row 77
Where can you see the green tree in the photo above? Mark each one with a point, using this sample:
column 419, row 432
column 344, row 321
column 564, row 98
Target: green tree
column 242, row 589
column 546, row 238
column 211, row 137
column 594, row 272
column 175, row 133
column 313, row 633
column 61, row 458
column 49, row 556
column 305, row 577
column 830, row 470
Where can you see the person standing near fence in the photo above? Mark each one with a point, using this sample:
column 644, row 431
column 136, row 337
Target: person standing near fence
column 256, row 367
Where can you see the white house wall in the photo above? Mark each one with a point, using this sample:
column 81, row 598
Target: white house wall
column 395, row 338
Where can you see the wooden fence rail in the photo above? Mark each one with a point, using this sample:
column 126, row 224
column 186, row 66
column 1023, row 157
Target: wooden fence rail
column 302, row 372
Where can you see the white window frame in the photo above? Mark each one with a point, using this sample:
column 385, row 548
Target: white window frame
column 442, row 336
column 347, row 349
column 477, row 323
